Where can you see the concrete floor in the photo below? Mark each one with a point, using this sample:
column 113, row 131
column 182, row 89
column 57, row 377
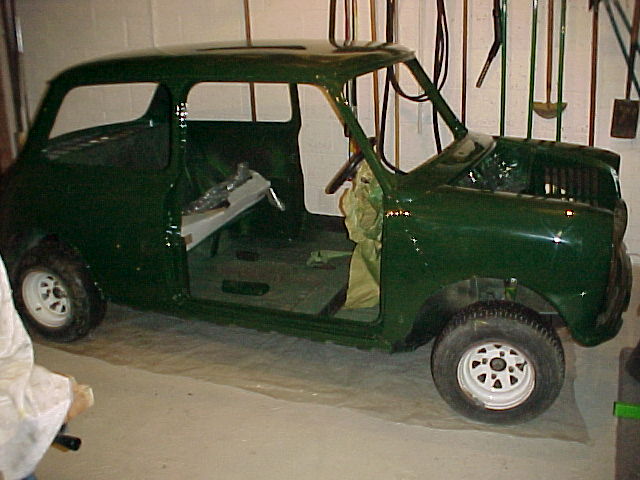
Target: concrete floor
column 152, row 426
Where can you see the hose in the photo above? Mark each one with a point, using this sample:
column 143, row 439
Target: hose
column 440, row 73
column 440, row 60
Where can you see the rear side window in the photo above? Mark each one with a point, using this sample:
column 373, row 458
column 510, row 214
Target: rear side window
column 115, row 125
column 233, row 102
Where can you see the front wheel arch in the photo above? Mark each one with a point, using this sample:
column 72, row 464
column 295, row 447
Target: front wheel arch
column 439, row 308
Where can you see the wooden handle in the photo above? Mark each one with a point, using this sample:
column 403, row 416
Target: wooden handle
column 635, row 26
column 549, row 48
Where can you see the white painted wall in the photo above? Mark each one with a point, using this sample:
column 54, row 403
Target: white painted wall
column 59, row 33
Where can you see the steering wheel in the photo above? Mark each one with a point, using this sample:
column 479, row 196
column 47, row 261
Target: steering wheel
column 345, row 173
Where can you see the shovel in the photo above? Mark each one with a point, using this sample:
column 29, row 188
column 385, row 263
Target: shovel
column 548, row 109
column 625, row 111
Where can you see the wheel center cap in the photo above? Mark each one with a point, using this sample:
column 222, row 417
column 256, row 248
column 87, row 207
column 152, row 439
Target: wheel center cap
column 498, row 364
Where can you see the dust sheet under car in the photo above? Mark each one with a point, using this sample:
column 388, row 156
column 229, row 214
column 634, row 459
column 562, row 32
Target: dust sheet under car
column 396, row 388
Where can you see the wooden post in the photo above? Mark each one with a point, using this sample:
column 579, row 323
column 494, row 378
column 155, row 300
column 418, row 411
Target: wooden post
column 6, row 152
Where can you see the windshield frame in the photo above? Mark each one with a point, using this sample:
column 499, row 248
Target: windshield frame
column 385, row 177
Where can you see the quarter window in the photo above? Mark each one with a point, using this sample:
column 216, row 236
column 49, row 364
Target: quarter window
column 123, row 125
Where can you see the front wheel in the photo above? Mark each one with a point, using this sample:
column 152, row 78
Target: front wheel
column 55, row 295
column 496, row 362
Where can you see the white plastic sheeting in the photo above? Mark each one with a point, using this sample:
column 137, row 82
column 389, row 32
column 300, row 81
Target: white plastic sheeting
column 395, row 387
column 33, row 401
column 202, row 222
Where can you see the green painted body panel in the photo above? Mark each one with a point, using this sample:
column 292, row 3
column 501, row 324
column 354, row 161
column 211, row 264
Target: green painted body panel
column 486, row 211
column 314, row 62
column 447, row 239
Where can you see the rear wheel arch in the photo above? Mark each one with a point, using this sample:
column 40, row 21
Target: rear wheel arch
column 15, row 245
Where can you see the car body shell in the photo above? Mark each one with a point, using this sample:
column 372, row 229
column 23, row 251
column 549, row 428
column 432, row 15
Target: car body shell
column 447, row 243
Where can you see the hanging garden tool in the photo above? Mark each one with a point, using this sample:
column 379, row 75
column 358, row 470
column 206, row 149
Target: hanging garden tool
column 15, row 59
column 252, row 86
column 495, row 46
column 547, row 109
column 593, row 5
column 465, row 35
column 625, row 111
column 373, row 19
column 623, row 49
column 499, row 40
column 503, row 73
column 532, row 64
column 396, row 96
column 625, row 19
column 560, row 105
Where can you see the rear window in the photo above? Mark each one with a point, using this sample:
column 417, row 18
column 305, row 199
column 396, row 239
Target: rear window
column 96, row 105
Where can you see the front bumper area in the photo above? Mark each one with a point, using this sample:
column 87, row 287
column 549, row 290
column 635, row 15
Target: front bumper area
column 618, row 293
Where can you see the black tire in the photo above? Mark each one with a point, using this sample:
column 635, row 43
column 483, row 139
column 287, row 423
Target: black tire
column 55, row 295
column 492, row 344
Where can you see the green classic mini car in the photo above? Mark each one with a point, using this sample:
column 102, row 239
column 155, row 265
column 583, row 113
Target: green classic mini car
column 185, row 208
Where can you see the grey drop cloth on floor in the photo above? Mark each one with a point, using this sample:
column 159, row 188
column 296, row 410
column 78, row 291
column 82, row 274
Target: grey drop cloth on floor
column 394, row 387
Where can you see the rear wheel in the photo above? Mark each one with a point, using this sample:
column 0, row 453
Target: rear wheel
column 55, row 295
column 496, row 362
column 46, row 298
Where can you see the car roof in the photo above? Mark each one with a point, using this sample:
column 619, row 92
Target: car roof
column 294, row 61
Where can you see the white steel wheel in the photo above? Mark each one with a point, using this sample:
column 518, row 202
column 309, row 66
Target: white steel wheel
column 498, row 362
column 46, row 298
column 55, row 294
column 497, row 375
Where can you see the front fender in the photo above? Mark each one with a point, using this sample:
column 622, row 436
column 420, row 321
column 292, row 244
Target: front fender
column 447, row 239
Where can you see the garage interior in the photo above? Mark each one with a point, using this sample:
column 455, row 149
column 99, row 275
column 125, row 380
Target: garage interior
column 179, row 399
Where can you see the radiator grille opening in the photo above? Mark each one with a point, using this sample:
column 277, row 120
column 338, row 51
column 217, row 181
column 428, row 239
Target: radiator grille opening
column 572, row 184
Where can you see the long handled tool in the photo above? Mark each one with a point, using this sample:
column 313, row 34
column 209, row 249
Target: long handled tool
column 547, row 109
column 625, row 19
column 560, row 105
column 15, row 54
column 532, row 64
column 373, row 18
column 495, row 46
column 252, row 87
column 625, row 111
column 465, row 35
column 503, row 72
column 616, row 30
column 396, row 96
column 499, row 41
column 593, row 5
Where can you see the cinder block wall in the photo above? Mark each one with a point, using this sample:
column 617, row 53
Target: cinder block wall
column 59, row 33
